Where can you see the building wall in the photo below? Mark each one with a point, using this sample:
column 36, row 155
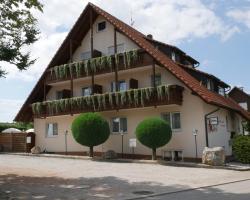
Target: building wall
column 103, row 40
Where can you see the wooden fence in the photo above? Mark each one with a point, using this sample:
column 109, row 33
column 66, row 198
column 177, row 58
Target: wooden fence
column 16, row 142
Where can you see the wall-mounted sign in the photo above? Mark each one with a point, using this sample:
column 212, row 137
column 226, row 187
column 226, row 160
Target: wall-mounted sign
column 132, row 142
column 213, row 120
column 28, row 140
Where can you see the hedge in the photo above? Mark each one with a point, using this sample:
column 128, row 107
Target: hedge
column 241, row 148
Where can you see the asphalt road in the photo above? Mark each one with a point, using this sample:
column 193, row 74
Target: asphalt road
column 23, row 177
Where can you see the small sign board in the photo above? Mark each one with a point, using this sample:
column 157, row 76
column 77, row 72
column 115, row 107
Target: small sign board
column 28, row 140
column 214, row 120
column 132, row 142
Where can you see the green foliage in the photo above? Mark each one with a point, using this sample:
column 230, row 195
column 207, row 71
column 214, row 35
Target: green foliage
column 19, row 125
column 17, row 31
column 241, row 148
column 95, row 64
column 98, row 102
column 153, row 132
column 90, row 129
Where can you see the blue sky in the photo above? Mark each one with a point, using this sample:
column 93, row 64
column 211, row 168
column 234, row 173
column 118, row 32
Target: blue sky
column 214, row 32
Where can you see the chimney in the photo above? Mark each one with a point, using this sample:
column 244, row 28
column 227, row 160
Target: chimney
column 150, row 36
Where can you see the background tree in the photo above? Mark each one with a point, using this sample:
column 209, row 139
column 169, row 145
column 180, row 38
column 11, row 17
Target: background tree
column 17, row 30
column 90, row 130
column 153, row 133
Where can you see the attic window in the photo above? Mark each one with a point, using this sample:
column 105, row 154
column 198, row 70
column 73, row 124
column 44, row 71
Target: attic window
column 173, row 56
column 101, row 26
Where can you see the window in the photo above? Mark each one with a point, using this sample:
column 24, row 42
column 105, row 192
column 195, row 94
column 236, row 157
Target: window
column 173, row 56
column 120, row 49
column 85, row 55
column 101, row 26
column 174, row 120
column 221, row 91
column 119, row 125
column 86, row 91
column 59, row 95
column 210, row 85
column 122, row 86
column 51, row 130
column 157, row 80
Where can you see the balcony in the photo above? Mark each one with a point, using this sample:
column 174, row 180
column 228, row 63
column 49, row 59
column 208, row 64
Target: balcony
column 98, row 65
column 134, row 98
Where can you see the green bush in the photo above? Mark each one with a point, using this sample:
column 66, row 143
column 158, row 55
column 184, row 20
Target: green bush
column 153, row 133
column 241, row 148
column 90, row 130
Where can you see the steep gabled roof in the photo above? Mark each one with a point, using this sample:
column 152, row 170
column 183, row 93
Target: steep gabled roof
column 139, row 38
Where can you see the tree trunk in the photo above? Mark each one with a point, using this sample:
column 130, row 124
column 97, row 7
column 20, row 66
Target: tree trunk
column 91, row 152
column 154, row 154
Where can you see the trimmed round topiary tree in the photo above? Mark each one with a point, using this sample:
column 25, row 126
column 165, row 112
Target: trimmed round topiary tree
column 90, row 130
column 241, row 148
column 153, row 133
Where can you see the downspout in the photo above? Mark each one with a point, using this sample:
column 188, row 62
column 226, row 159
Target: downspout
column 205, row 117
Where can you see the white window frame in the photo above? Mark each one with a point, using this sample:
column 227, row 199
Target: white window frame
column 118, row 49
column 46, row 131
column 119, row 132
column 221, row 91
column 173, row 56
column 97, row 24
column 89, row 88
column 112, row 84
column 171, row 122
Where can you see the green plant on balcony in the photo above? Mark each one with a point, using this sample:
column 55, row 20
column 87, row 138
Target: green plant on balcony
column 136, row 97
column 111, row 99
column 123, row 95
column 109, row 62
column 86, row 66
column 117, row 59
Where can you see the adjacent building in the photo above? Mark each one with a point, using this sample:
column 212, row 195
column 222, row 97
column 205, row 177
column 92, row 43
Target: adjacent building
column 106, row 66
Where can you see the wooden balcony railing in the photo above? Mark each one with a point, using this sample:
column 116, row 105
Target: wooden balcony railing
column 135, row 98
column 98, row 65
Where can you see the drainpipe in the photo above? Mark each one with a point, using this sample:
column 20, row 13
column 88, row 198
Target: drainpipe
column 206, row 132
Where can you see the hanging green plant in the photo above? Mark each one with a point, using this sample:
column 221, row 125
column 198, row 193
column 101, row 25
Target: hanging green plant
column 56, row 70
column 142, row 95
column 99, row 101
column 167, row 92
column 93, row 65
column 105, row 96
column 92, row 97
column 77, row 66
column 103, row 62
column 111, row 99
column 109, row 62
column 147, row 94
column 117, row 59
column 135, row 55
column 123, row 97
column 124, row 60
column 160, row 92
column 136, row 97
column 86, row 67
column 88, row 100
column 128, row 58
column 117, row 98
column 129, row 93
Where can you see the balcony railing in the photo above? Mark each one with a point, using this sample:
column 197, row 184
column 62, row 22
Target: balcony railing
column 98, row 65
column 135, row 98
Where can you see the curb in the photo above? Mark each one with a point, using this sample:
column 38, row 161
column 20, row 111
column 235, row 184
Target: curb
column 160, row 162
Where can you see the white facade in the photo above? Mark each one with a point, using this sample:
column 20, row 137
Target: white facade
column 192, row 111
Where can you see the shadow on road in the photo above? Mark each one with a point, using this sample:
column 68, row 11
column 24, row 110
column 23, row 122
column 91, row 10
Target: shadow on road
column 52, row 188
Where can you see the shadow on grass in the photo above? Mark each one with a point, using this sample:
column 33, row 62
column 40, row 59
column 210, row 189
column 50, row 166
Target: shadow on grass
column 52, row 188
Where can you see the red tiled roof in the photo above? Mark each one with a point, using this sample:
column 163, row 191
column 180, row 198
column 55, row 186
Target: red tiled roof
column 139, row 38
column 187, row 79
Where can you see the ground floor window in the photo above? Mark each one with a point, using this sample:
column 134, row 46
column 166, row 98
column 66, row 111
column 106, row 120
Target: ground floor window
column 119, row 125
column 174, row 120
column 51, row 129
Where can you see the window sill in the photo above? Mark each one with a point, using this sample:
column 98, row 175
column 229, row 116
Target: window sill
column 54, row 136
column 176, row 130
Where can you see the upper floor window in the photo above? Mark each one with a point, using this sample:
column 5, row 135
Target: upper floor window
column 59, row 95
column 101, row 26
column 122, row 86
column 174, row 120
column 173, row 56
column 221, row 91
column 120, row 49
column 85, row 55
column 157, row 80
column 51, row 129
column 210, row 85
column 119, row 125
column 86, row 91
